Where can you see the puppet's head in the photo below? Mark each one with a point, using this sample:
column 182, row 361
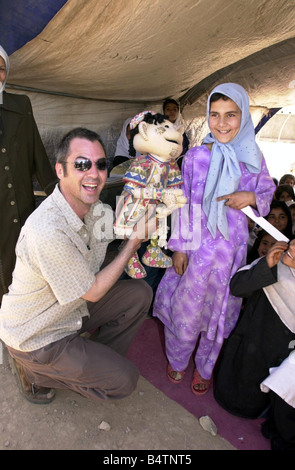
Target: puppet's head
column 154, row 134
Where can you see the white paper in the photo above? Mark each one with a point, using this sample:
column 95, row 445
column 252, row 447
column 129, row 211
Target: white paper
column 269, row 228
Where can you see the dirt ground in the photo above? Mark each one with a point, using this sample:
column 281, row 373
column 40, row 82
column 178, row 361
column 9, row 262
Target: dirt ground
column 147, row 420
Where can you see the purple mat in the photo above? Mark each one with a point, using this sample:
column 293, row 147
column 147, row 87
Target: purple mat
column 147, row 352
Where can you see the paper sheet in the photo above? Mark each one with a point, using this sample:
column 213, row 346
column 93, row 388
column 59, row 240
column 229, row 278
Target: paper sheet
column 269, row 228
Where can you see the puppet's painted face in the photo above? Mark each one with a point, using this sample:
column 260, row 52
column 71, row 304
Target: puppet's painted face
column 162, row 141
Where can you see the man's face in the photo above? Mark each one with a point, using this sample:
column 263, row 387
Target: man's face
column 81, row 189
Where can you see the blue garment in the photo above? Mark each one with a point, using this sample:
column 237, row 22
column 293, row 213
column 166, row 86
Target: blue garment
column 224, row 171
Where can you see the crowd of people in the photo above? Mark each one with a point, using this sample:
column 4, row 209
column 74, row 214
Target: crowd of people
column 67, row 320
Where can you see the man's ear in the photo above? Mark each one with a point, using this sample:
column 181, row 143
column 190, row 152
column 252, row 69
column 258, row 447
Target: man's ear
column 142, row 127
column 59, row 170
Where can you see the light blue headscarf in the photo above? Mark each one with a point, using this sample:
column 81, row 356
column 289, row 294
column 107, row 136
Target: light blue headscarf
column 6, row 60
column 224, row 171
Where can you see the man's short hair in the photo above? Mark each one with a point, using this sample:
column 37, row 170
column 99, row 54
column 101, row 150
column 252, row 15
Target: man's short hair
column 78, row 132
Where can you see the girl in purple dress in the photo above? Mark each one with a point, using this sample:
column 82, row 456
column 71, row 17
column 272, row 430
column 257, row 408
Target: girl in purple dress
column 222, row 176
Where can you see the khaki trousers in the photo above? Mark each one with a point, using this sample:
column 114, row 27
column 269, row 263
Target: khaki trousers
column 95, row 367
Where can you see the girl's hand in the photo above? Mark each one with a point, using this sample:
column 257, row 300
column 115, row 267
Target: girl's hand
column 275, row 253
column 239, row 199
column 180, row 262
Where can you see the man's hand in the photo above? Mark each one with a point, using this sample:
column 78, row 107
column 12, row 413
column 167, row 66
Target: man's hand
column 275, row 253
column 143, row 230
column 180, row 262
column 239, row 199
column 110, row 274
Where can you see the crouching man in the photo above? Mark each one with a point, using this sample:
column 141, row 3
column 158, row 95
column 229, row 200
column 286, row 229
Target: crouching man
column 58, row 291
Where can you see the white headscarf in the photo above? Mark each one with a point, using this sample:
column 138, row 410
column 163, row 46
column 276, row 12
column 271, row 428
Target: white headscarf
column 6, row 60
column 122, row 148
column 224, row 172
column 281, row 295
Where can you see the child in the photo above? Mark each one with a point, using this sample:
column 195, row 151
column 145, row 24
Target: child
column 225, row 174
column 262, row 340
column 288, row 178
column 280, row 217
column 262, row 244
column 284, row 192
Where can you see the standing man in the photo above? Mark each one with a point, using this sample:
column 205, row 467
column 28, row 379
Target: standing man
column 59, row 292
column 22, row 155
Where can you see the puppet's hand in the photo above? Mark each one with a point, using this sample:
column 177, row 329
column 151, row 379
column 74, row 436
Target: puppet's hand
column 173, row 199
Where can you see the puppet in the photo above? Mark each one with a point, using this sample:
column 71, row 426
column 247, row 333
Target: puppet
column 152, row 178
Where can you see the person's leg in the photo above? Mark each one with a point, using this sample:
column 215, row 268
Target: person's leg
column 33, row 393
column 119, row 314
column 91, row 369
column 206, row 356
column 178, row 352
column 94, row 368
column 284, row 424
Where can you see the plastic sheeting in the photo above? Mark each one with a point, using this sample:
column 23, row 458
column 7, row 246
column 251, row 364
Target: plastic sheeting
column 134, row 50
column 96, row 63
column 22, row 20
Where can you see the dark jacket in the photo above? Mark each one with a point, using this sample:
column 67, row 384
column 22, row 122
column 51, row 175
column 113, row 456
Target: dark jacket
column 22, row 155
column 259, row 341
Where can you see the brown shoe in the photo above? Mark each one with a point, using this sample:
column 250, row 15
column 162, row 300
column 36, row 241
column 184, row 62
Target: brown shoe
column 34, row 394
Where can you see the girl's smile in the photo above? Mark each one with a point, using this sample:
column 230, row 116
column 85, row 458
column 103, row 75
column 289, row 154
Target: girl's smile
column 224, row 120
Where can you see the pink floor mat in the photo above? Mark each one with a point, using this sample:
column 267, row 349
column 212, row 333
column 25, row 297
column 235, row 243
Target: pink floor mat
column 148, row 354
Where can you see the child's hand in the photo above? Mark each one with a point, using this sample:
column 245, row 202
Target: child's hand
column 239, row 199
column 275, row 253
column 180, row 262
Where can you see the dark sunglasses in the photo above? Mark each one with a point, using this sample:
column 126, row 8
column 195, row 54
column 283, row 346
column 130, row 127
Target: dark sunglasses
column 84, row 164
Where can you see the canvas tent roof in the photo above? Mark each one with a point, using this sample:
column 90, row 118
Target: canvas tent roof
column 120, row 56
column 280, row 128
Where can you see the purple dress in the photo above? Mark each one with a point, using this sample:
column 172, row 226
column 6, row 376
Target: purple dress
column 199, row 302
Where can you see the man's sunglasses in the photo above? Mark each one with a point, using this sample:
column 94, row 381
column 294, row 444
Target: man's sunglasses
column 84, row 164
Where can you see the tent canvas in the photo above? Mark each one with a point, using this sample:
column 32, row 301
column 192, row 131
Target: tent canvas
column 95, row 63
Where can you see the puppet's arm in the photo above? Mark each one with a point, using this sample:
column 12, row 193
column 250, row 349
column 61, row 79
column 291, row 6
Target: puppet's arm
column 172, row 198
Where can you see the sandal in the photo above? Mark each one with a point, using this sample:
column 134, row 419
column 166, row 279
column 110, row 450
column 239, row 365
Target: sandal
column 198, row 380
column 178, row 374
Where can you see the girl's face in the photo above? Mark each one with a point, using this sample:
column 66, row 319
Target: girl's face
column 285, row 196
column 278, row 219
column 224, row 120
column 171, row 110
column 289, row 181
column 267, row 241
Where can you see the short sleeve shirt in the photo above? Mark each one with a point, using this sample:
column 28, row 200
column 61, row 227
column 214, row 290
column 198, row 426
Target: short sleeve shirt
column 58, row 256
